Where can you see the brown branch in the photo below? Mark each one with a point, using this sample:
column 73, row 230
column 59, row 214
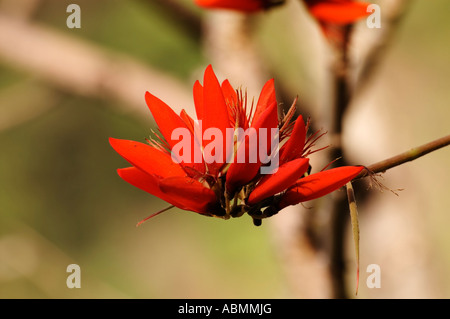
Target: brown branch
column 339, row 206
column 404, row 157
column 345, row 92
column 79, row 67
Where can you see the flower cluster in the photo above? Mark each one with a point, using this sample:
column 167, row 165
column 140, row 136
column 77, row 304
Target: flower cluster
column 217, row 186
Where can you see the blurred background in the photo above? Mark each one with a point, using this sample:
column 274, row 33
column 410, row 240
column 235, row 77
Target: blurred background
column 64, row 92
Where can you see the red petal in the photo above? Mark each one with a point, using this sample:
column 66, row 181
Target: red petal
column 198, row 99
column 239, row 174
column 215, row 114
column 166, row 119
column 144, row 181
column 286, row 175
column 190, row 193
column 150, row 184
column 243, row 5
column 229, row 93
column 293, row 148
column 266, row 98
column 319, row 184
column 339, row 12
column 234, row 107
column 268, row 120
column 188, row 121
column 147, row 158
column 195, row 146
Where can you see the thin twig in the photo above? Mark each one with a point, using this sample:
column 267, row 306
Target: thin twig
column 404, row 157
column 154, row 214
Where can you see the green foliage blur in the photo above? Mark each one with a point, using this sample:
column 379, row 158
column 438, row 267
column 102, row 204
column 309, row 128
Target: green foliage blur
column 61, row 201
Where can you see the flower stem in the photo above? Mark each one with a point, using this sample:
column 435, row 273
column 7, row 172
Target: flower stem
column 404, row 157
column 154, row 214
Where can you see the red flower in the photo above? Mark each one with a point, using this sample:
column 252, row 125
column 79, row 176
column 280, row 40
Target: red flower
column 339, row 12
column 225, row 180
column 240, row 5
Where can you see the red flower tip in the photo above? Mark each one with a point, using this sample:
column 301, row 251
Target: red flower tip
column 248, row 6
column 319, row 184
column 339, row 12
column 189, row 193
column 147, row 158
